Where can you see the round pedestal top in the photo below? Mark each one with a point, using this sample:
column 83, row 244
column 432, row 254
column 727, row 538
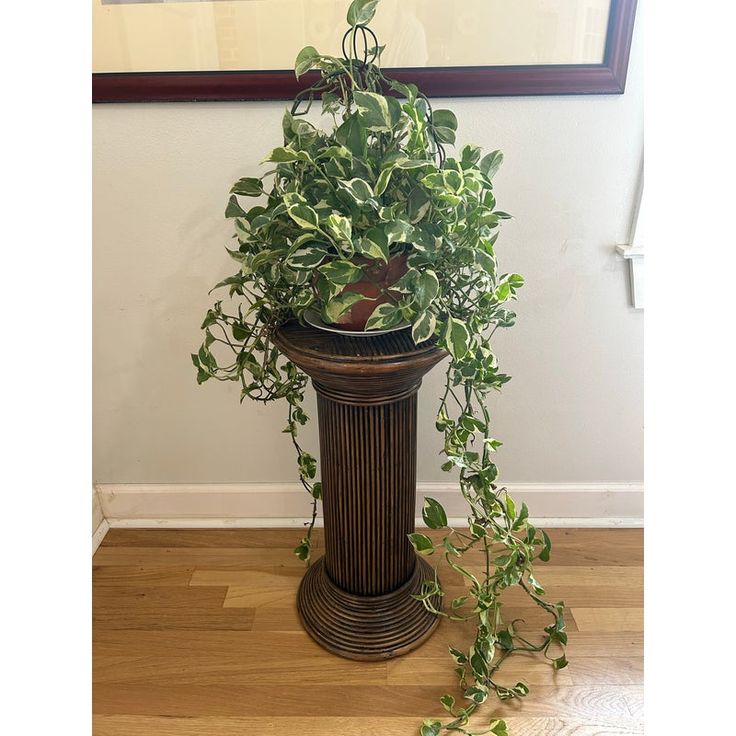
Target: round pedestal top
column 304, row 340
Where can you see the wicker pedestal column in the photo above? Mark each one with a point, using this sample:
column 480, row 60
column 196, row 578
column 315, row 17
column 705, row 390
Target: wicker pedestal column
column 356, row 600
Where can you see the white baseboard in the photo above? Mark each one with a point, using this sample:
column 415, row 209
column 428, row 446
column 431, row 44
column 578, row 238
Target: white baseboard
column 248, row 505
column 99, row 534
column 99, row 523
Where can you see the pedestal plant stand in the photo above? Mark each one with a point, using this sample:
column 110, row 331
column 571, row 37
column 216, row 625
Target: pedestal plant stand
column 357, row 600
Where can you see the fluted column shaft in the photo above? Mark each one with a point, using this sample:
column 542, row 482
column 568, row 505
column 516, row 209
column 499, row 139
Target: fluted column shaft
column 357, row 600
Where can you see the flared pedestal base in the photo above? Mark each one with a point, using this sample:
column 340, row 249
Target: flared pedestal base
column 366, row 627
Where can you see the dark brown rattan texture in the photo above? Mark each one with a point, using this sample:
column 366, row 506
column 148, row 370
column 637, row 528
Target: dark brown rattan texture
column 356, row 600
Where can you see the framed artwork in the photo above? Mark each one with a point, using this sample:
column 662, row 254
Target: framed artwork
column 187, row 50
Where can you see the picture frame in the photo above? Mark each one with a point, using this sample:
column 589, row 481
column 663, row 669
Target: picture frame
column 608, row 77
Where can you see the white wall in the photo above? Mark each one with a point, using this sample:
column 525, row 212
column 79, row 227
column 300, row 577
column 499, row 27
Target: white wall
column 573, row 411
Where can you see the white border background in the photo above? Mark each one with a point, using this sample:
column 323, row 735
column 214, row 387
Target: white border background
column 46, row 301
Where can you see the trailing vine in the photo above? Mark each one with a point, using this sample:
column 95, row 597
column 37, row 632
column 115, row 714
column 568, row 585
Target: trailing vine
column 376, row 186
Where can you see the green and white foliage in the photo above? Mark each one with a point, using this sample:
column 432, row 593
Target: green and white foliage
column 374, row 186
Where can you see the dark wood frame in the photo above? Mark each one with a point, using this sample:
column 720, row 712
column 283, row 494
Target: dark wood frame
column 573, row 79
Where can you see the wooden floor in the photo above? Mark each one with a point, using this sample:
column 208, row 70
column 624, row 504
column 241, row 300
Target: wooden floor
column 196, row 634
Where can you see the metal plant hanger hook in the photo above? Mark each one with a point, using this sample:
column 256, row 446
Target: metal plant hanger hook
column 361, row 61
column 369, row 53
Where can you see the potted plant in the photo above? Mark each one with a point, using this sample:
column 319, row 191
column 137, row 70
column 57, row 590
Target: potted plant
column 369, row 225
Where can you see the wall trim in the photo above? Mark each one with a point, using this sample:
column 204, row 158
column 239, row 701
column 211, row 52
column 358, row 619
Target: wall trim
column 249, row 505
column 99, row 534
column 99, row 523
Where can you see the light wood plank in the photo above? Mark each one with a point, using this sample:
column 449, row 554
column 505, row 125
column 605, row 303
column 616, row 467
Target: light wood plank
column 620, row 547
column 140, row 576
column 126, row 725
column 279, row 726
column 265, row 644
column 438, row 671
column 204, row 538
column 609, row 619
column 245, row 578
column 606, row 703
column 283, row 616
column 234, row 557
column 165, row 608
column 574, row 596
column 180, row 668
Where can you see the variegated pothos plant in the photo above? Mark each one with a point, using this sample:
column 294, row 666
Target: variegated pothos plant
column 374, row 184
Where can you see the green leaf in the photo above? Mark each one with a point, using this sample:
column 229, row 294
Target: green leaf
column 305, row 60
column 302, row 551
column 234, row 209
column 491, row 163
column 305, row 259
column 361, row 12
column 469, row 156
column 418, row 204
column 456, row 338
column 304, row 216
column 341, row 272
column 434, row 514
column 377, row 112
column 515, row 281
column 409, row 91
column 398, row 231
column 505, row 640
column 485, row 261
column 510, row 508
column 340, row 227
column 430, row 728
column 351, row 135
column 434, row 181
column 499, row 728
column 375, row 244
column 544, row 554
column 240, row 332
column 242, row 230
column 536, row 585
column 421, row 543
column 448, row 702
column 282, row 156
column 445, row 125
column 383, row 180
column 426, row 289
column 359, row 189
column 453, row 180
column 457, row 602
column 523, row 515
column 335, row 308
column 248, row 187
column 307, row 465
column 458, row 656
column 383, row 317
column 479, row 665
column 503, row 292
column 286, row 156
column 476, row 694
column 560, row 663
column 424, row 327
